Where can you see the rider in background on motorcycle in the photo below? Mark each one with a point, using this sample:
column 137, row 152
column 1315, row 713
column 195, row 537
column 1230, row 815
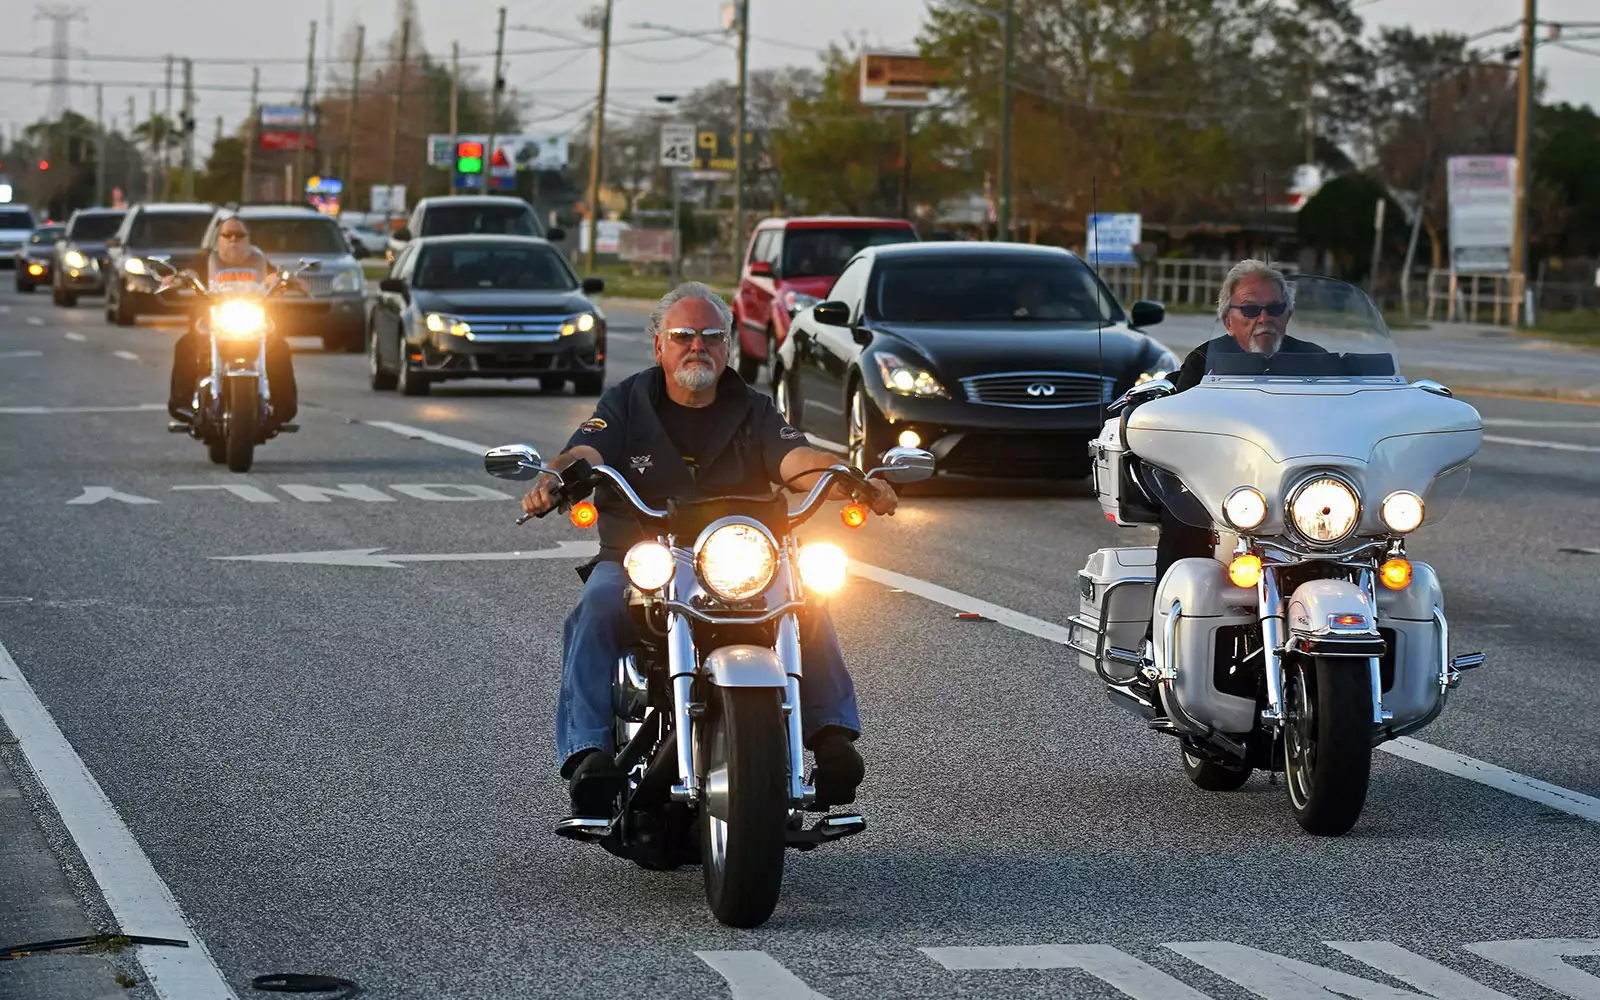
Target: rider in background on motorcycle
column 688, row 428
column 234, row 253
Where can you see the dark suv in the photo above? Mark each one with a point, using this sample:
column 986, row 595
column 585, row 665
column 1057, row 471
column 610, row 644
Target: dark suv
column 471, row 215
column 174, row 230
column 80, row 261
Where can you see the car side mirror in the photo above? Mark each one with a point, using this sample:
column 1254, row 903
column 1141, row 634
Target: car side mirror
column 513, row 461
column 403, row 234
column 905, row 465
column 761, row 269
column 556, row 235
column 395, row 285
column 832, row 313
column 593, row 286
column 1144, row 313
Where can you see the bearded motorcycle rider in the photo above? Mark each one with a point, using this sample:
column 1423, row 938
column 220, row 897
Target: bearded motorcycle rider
column 688, row 428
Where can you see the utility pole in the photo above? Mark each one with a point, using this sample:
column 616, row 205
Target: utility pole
column 494, row 101
column 1006, row 45
column 250, row 135
column 150, row 174
column 305, row 114
column 350, row 110
column 130, row 148
column 188, row 130
column 599, row 137
column 905, row 163
column 166, row 153
column 399, row 99
column 99, row 145
column 1525, row 85
column 738, row 133
column 455, row 121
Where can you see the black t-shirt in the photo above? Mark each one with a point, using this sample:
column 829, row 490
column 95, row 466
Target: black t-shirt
column 689, row 428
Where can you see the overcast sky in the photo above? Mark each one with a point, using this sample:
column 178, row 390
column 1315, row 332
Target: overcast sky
column 274, row 32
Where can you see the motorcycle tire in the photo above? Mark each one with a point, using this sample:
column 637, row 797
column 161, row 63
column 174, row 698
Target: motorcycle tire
column 1327, row 742
column 1214, row 777
column 240, row 425
column 742, row 854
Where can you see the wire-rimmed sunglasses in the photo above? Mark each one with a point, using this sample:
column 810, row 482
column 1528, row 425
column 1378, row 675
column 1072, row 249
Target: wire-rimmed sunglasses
column 683, row 336
column 1253, row 310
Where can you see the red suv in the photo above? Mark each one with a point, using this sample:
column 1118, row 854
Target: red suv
column 789, row 266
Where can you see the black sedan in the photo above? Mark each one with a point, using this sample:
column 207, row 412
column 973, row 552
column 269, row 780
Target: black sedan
column 467, row 307
column 996, row 357
column 35, row 260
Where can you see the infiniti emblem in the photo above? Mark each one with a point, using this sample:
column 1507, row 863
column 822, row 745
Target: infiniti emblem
column 1041, row 389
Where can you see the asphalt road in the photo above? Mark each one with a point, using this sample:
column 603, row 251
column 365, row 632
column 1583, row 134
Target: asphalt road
column 349, row 769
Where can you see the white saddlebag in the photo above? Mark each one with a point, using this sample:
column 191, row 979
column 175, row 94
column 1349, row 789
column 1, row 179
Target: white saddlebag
column 1122, row 501
column 1116, row 592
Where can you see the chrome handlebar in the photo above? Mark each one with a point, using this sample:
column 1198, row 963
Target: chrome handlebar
column 814, row 499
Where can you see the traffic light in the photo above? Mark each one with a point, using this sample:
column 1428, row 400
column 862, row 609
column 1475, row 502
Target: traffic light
column 44, row 164
column 469, row 157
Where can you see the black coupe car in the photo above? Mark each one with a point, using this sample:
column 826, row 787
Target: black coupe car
column 997, row 357
column 460, row 307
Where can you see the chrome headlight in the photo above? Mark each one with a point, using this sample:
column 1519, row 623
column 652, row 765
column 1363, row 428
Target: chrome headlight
column 1402, row 511
column 1245, row 508
column 1165, row 365
column 793, row 301
column 649, row 565
column 737, row 561
column 238, row 318
column 134, row 265
column 907, row 380
column 348, row 281
column 73, row 258
column 440, row 323
column 1325, row 509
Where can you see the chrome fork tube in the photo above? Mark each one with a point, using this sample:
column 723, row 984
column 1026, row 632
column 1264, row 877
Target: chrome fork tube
column 789, row 655
column 680, row 668
column 1271, row 611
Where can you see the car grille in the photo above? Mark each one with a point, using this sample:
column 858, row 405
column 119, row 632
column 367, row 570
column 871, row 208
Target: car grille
column 510, row 328
column 318, row 284
column 1039, row 390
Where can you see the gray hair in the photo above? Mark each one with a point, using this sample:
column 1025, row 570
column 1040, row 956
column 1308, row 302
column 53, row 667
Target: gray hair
column 688, row 290
column 1251, row 268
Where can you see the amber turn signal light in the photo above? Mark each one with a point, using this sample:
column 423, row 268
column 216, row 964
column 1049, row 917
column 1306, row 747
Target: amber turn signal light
column 1245, row 570
column 854, row 515
column 584, row 514
column 1396, row 573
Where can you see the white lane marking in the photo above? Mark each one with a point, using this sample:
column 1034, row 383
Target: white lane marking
column 75, row 336
column 21, row 354
column 439, row 491
column 324, row 494
column 139, row 900
column 1541, row 962
column 126, row 355
column 244, row 491
column 1409, row 967
column 755, row 975
column 369, row 558
column 1460, row 765
column 1580, row 552
column 1275, row 977
column 1518, row 422
column 35, row 321
column 47, row 410
column 1552, row 445
column 1112, row 966
column 95, row 494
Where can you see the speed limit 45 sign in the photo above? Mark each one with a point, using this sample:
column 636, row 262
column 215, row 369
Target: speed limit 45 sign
column 677, row 145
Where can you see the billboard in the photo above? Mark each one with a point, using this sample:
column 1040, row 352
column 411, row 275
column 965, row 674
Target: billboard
column 281, row 127
column 1483, row 209
column 521, row 152
column 901, row 80
column 1111, row 238
column 713, row 151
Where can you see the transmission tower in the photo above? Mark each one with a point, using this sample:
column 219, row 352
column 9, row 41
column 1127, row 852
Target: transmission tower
column 60, row 17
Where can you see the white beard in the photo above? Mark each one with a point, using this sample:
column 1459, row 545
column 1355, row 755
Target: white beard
column 696, row 378
column 1268, row 348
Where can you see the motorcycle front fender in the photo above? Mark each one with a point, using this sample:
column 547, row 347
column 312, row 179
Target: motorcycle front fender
column 746, row 666
column 1330, row 617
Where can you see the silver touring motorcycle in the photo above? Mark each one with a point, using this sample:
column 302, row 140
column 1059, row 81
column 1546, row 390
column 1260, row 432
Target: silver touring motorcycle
column 706, row 703
column 1311, row 637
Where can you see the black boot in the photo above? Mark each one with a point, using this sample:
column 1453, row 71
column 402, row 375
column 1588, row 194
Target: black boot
column 595, row 782
column 839, row 767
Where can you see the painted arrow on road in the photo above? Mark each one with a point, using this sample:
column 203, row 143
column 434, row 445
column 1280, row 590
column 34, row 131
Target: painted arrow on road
column 370, row 557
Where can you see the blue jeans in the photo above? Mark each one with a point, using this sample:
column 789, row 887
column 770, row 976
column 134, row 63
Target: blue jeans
column 599, row 629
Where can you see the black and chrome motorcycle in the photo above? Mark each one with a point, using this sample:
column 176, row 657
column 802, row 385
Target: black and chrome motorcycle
column 232, row 403
column 707, row 702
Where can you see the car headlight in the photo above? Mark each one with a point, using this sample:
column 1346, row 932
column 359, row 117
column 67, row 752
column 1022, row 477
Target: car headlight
column 238, row 318
column 737, row 561
column 907, row 380
column 348, row 281
column 1165, row 365
column 73, row 258
column 578, row 324
column 649, row 565
column 793, row 301
column 1325, row 509
column 133, row 265
column 440, row 323
column 1245, row 508
column 822, row 567
column 1402, row 511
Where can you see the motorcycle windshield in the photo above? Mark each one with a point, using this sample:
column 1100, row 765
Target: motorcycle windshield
column 1323, row 330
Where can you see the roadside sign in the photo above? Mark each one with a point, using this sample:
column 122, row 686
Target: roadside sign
column 1111, row 238
column 1483, row 205
column 520, row 152
column 387, row 201
column 677, row 145
column 902, row 80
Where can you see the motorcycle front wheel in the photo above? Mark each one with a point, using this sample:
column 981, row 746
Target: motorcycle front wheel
column 1327, row 742
column 239, row 424
column 745, row 751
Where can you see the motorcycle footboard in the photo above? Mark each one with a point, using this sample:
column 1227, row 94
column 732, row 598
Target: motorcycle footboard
column 835, row 827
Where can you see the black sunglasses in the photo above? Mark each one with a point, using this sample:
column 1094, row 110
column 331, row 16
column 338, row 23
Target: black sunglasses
column 1253, row 310
column 234, row 236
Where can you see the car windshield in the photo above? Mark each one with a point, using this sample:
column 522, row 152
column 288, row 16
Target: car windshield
column 12, row 218
column 169, row 229
column 512, row 219
column 526, row 269
column 823, row 253
column 1325, row 329
column 94, row 227
column 48, row 234
column 285, row 236
column 990, row 288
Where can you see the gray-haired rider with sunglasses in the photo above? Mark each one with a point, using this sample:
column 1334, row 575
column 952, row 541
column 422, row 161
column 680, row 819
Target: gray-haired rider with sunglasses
column 687, row 428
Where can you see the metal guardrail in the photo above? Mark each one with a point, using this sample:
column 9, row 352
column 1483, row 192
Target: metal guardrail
column 1471, row 298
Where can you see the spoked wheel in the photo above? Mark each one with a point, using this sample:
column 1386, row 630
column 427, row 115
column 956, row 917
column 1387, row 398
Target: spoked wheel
column 869, row 435
column 745, row 807
column 1214, row 777
column 239, row 425
column 1327, row 742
